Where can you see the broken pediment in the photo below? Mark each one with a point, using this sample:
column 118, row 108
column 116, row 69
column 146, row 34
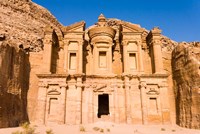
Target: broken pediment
column 76, row 27
column 128, row 27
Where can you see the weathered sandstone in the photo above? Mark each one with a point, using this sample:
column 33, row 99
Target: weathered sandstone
column 113, row 71
column 22, row 25
column 186, row 75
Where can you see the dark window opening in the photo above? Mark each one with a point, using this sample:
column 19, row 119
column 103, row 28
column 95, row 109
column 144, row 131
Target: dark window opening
column 103, row 105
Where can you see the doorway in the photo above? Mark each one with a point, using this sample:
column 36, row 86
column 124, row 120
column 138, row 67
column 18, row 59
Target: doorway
column 103, row 105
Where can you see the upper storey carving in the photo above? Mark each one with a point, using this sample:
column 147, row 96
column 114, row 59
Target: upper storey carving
column 110, row 46
column 101, row 32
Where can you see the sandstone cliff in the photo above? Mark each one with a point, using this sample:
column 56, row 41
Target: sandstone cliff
column 22, row 25
column 14, row 71
column 167, row 47
column 186, row 75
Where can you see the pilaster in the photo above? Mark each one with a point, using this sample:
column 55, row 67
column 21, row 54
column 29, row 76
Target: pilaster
column 79, row 100
column 143, row 101
column 127, row 99
column 116, row 105
column 41, row 103
column 47, row 54
column 91, row 105
column 80, row 57
column 165, row 111
column 155, row 45
column 140, row 57
column 63, row 88
column 125, row 43
column 66, row 43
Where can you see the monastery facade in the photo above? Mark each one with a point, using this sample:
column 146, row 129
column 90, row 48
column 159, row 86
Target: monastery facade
column 112, row 71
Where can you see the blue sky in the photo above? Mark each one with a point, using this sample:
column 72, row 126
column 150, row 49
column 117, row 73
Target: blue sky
column 178, row 19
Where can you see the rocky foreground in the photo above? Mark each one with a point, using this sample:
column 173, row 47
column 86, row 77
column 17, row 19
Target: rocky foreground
column 107, row 128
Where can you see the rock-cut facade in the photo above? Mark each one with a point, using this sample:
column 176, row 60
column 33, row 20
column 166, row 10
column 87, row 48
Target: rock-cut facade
column 112, row 71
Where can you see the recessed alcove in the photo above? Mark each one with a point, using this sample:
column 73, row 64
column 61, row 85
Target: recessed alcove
column 103, row 105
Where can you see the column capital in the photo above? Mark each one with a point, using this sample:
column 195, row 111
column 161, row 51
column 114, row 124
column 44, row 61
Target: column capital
column 124, row 42
column 126, row 75
column 79, row 75
column 66, row 42
column 63, row 85
column 81, row 42
column 142, row 84
column 139, row 42
column 79, row 85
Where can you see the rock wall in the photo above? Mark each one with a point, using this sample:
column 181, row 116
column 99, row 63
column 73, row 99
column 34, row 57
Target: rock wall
column 186, row 75
column 22, row 25
column 167, row 47
column 14, row 83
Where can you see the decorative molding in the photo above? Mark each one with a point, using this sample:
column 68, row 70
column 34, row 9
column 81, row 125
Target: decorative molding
column 153, row 91
column 142, row 84
column 43, row 84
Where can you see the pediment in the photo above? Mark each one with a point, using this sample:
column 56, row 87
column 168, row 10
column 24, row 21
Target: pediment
column 128, row 27
column 76, row 27
column 54, row 92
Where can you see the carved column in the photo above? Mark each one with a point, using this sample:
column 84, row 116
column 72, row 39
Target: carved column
column 141, row 66
column 80, row 57
column 66, row 43
column 125, row 43
column 91, row 105
column 79, row 100
column 155, row 43
column 165, row 108
column 110, row 58
column 41, row 103
column 47, row 54
column 128, row 104
column 63, row 88
column 157, row 57
column 95, row 59
column 116, row 99
column 143, row 101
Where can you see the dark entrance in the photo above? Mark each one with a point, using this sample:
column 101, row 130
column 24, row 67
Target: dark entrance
column 103, row 105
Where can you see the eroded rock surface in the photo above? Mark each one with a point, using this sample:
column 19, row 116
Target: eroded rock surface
column 186, row 74
column 22, row 25
column 14, row 72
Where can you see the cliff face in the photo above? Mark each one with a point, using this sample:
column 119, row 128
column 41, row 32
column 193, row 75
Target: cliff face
column 186, row 74
column 167, row 47
column 22, row 25
column 14, row 74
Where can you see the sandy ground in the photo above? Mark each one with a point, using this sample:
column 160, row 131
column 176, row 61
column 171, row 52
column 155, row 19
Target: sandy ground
column 107, row 128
